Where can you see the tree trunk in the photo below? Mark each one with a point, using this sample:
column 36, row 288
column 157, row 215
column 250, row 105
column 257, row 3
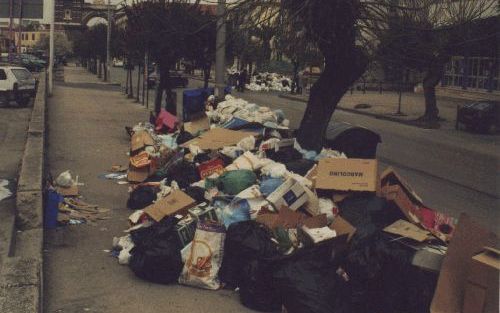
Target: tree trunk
column 99, row 71
column 105, row 68
column 339, row 74
column 206, row 73
column 138, row 83
column 432, row 78
column 164, row 85
column 126, row 81
column 131, row 85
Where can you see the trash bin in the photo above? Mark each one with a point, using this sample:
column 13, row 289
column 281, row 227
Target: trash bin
column 193, row 102
column 355, row 141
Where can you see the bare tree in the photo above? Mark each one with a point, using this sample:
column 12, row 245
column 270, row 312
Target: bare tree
column 422, row 35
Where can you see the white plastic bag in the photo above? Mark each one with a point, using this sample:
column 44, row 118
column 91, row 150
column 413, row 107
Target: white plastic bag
column 205, row 258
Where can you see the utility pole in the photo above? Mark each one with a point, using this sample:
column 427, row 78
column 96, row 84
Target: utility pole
column 20, row 27
column 220, row 53
column 108, row 43
column 11, row 21
column 51, row 45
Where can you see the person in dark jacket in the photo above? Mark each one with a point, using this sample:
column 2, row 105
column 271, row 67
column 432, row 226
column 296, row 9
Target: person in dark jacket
column 242, row 81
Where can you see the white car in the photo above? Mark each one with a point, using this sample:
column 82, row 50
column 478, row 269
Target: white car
column 16, row 83
column 117, row 63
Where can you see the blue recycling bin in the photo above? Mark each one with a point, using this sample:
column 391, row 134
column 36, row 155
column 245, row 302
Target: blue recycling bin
column 193, row 101
column 52, row 209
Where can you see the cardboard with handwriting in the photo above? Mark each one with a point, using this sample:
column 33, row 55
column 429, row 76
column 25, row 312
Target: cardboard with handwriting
column 347, row 174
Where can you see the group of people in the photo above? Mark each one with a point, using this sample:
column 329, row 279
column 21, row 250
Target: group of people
column 239, row 80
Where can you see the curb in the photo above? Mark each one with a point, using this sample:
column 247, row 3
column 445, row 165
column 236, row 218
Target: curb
column 21, row 274
column 375, row 115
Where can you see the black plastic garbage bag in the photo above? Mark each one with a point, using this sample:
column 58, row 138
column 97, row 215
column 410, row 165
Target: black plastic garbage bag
column 141, row 197
column 184, row 173
column 183, row 137
column 307, row 282
column 245, row 241
column 249, row 260
column 197, row 193
column 257, row 289
column 156, row 256
column 382, row 278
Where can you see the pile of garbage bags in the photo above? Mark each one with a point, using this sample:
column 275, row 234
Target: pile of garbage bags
column 216, row 206
column 269, row 82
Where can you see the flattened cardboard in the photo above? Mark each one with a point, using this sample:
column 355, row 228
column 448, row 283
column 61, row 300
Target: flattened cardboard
column 469, row 238
column 391, row 177
column 138, row 175
column 177, row 202
column 218, row 138
column 347, row 174
column 197, row 125
column 140, row 140
column 317, row 221
column 69, row 191
column 408, row 230
column 343, row 227
column 268, row 219
column 489, row 257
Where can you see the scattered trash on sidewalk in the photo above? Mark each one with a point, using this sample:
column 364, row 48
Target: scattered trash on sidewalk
column 4, row 190
column 64, row 206
column 239, row 204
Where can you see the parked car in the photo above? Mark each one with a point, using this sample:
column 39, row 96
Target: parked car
column 176, row 80
column 16, row 83
column 30, row 62
column 481, row 116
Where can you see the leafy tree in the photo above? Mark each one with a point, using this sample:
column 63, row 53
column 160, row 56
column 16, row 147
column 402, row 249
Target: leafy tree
column 167, row 29
column 61, row 44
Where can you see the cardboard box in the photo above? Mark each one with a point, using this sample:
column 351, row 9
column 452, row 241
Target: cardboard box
column 176, row 202
column 347, row 174
column 290, row 194
column 138, row 175
column 197, row 125
column 481, row 291
column 469, row 239
column 210, row 167
column 140, row 140
column 218, row 138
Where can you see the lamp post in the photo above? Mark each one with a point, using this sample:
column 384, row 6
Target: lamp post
column 220, row 53
column 51, row 46
column 108, row 43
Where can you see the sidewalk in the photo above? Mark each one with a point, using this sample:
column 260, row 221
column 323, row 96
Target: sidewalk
column 87, row 136
column 386, row 104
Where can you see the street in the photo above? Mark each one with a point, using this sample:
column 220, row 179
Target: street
column 453, row 171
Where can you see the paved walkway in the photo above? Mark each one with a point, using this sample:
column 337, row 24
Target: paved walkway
column 87, row 136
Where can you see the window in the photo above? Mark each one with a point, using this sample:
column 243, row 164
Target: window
column 22, row 74
column 3, row 75
column 67, row 14
column 33, row 36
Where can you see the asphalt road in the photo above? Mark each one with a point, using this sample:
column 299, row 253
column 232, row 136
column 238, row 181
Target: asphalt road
column 452, row 171
column 13, row 128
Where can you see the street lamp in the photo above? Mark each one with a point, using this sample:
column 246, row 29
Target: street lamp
column 51, row 45
column 108, row 43
column 220, row 53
